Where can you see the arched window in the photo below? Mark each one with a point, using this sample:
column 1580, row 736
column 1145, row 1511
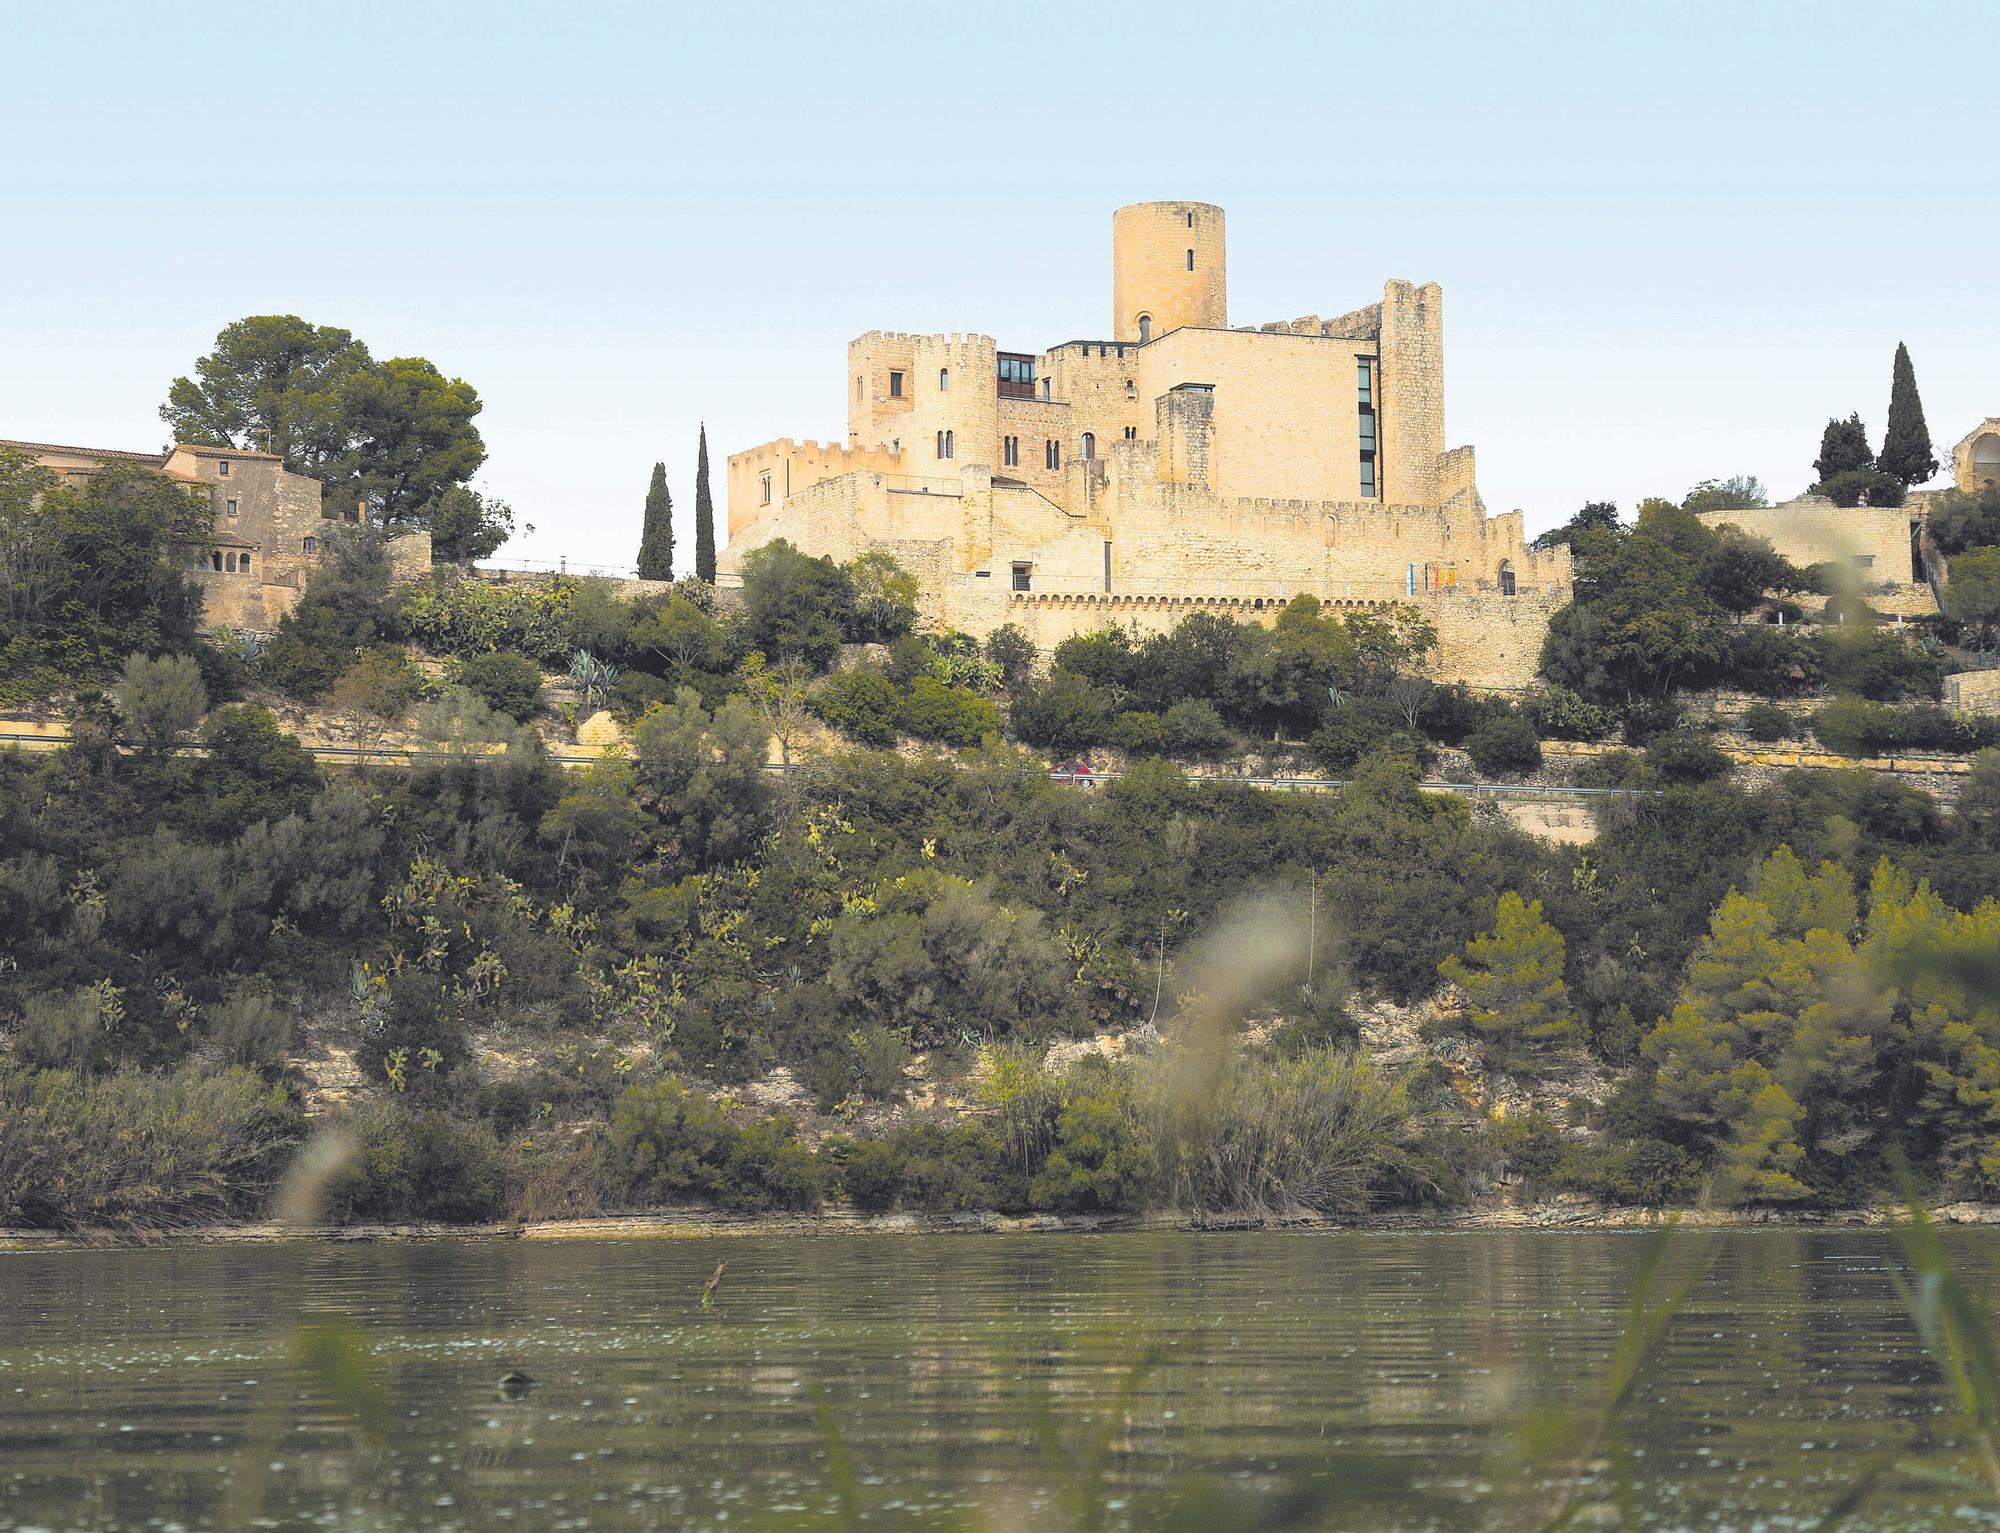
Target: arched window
column 1190, row 258
column 940, row 447
column 1130, row 391
column 243, row 565
column 944, row 380
column 1506, row 577
column 1190, row 220
column 947, row 444
column 1089, row 445
column 1045, row 391
column 215, row 559
column 312, row 545
column 1145, row 328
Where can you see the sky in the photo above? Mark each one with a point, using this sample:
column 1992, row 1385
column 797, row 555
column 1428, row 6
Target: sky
column 1673, row 238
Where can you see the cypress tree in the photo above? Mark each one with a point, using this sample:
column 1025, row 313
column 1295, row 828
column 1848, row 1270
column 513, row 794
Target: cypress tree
column 1843, row 447
column 704, row 515
column 656, row 538
column 1906, row 443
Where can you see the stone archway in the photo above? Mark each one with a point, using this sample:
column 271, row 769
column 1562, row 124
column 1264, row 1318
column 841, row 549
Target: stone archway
column 1986, row 460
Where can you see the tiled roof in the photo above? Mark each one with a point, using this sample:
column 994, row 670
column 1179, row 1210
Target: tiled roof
column 225, row 452
column 154, row 458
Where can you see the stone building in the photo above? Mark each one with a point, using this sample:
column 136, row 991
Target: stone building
column 1179, row 465
column 270, row 524
column 1975, row 461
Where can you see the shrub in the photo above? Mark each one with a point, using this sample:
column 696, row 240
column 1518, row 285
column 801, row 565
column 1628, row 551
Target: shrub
column 871, row 1175
column 1014, row 652
column 249, row 1029
column 950, row 1168
column 671, row 1144
column 1137, row 733
column 1559, row 714
column 1766, row 722
column 1851, row 486
column 861, row 703
column 417, row 1165
column 636, row 691
column 1311, row 1134
column 1614, row 769
column 1879, row 664
column 1958, row 520
column 1098, row 1161
column 1360, row 727
column 138, row 1152
column 381, row 683
column 1451, row 713
column 1062, row 714
column 949, row 715
column 1685, row 756
column 507, row 683
column 1504, row 744
column 162, row 699
column 1192, row 728
column 1855, row 727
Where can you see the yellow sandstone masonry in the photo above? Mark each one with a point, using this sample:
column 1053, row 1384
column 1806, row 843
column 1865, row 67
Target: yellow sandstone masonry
column 1181, row 465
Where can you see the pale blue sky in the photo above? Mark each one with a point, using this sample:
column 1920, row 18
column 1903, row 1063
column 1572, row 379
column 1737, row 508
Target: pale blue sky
column 1673, row 239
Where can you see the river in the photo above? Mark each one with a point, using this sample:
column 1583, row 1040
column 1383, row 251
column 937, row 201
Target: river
column 1388, row 1380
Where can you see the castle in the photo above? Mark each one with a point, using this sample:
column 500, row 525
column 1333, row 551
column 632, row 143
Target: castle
column 1179, row 466
column 270, row 524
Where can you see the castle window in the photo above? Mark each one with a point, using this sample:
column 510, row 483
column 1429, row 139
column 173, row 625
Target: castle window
column 1045, row 391
column 895, row 385
column 896, row 445
column 1145, row 328
column 311, row 545
column 944, row 444
column 229, row 563
column 944, row 380
column 1023, row 573
column 243, row 565
column 1089, row 445
column 1190, row 220
column 1190, row 258
column 1364, row 405
column 1010, row 451
column 1131, row 389
column 1051, row 454
column 1017, row 375
column 1131, row 433
column 222, row 469
column 857, row 385
column 232, row 507
column 765, row 484
column 215, row 559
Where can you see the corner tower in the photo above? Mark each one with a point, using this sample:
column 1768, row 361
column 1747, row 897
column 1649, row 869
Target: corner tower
column 1167, row 269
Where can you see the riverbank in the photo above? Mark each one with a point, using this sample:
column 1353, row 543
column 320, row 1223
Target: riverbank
column 704, row 1224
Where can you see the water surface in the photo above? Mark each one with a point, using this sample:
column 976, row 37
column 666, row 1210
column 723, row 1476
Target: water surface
column 1390, row 1372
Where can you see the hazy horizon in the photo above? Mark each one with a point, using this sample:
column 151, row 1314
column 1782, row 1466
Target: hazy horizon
column 1672, row 243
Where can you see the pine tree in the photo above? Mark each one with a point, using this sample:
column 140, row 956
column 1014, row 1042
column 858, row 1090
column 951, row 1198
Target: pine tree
column 1843, row 447
column 656, row 538
column 1513, row 982
column 1906, row 443
column 704, row 516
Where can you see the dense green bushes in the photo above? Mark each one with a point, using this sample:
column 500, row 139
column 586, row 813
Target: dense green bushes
column 1854, row 727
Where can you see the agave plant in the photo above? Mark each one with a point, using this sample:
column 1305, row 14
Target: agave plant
column 593, row 677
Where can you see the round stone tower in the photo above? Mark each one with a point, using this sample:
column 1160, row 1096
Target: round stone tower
column 1167, row 269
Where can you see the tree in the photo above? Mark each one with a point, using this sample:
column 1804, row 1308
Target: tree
column 1906, row 441
column 1512, row 977
column 1737, row 493
column 656, row 534
column 1738, row 569
column 161, row 699
column 1843, row 447
column 506, row 682
column 1504, row 743
column 466, row 525
column 704, row 515
column 1062, row 713
column 796, row 605
column 274, row 383
column 1973, row 597
column 1014, row 652
column 391, row 436
column 885, row 597
column 1960, row 520
column 413, row 436
column 1597, row 516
